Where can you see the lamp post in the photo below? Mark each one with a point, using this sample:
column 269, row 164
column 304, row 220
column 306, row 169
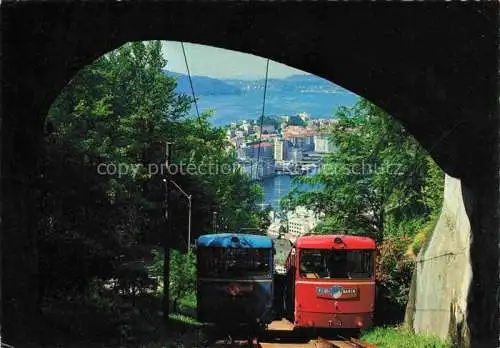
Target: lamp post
column 167, row 236
column 214, row 223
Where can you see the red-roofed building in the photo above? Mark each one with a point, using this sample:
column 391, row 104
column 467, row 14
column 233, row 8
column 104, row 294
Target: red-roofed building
column 269, row 137
column 266, row 150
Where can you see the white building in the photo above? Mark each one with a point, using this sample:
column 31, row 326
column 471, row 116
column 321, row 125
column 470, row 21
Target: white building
column 279, row 150
column 301, row 221
column 258, row 170
column 296, row 154
column 268, row 128
column 322, row 144
column 238, row 141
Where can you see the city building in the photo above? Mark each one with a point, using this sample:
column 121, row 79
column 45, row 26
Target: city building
column 301, row 221
column 268, row 128
column 238, row 141
column 267, row 137
column 241, row 152
column 282, row 149
column 246, row 127
column 305, row 143
column 266, row 150
column 322, row 144
column 258, row 170
column 308, row 144
column 296, row 154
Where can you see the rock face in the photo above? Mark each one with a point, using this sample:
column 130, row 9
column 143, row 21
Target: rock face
column 443, row 274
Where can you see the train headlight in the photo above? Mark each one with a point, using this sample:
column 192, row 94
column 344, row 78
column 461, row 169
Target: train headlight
column 359, row 322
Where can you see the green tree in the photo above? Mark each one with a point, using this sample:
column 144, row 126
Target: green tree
column 373, row 182
column 296, row 121
column 117, row 113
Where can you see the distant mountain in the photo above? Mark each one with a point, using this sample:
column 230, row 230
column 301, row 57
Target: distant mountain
column 294, row 83
column 203, row 85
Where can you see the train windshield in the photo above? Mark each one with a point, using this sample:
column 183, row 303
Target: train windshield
column 338, row 264
column 234, row 262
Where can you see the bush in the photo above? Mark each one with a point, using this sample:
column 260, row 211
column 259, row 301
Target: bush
column 182, row 274
column 393, row 272
column 421, row 237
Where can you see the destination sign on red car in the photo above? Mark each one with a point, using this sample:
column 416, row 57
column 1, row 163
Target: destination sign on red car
column 336, row 291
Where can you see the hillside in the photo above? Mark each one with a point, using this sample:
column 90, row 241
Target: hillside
column 203, row 85
column 294, row 83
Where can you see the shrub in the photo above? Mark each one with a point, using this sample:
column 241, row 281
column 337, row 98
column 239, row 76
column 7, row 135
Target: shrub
column 420, row 238
column 394, row 272
column 182, row 274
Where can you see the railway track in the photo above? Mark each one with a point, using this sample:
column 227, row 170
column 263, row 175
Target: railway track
column 281, row 334
column 348, row 343
column 317, row 343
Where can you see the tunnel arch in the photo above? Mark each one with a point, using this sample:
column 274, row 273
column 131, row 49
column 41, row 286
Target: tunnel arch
column 404, row 73
column 431, row 66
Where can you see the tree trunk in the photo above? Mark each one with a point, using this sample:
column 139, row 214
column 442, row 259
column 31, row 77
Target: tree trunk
column 166, row 282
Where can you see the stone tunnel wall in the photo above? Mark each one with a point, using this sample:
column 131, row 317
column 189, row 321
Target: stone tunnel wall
column 443, row 273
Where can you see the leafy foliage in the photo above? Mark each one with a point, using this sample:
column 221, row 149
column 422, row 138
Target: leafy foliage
column 182, row 273
column 103, row 193
column 373, row 182
column 296, row 121
column 394, row 269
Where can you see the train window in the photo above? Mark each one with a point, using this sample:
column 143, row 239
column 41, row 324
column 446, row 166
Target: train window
column 234, row 262
column 338, row 264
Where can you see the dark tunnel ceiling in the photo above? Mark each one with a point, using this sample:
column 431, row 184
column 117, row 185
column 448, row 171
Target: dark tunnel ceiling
column 432, row 66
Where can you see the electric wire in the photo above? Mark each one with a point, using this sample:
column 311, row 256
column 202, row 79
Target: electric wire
column 191, row 83
column 262, row 119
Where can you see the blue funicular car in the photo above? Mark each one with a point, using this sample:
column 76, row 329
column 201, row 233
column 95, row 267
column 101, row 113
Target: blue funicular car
column 235, row 279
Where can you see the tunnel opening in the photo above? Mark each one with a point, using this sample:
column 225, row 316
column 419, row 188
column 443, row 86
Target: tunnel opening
column 99, row 123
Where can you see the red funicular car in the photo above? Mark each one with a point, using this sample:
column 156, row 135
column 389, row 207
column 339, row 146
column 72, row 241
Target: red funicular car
column 330, row 282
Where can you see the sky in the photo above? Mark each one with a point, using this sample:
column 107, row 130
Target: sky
column 221, row 63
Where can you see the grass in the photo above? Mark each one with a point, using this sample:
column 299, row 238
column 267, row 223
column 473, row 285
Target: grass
column 400, row 337
column 188, row 301
column 184, row 319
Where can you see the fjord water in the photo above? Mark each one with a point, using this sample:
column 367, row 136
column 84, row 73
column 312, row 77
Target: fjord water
column 278, row 186
column 248, row 105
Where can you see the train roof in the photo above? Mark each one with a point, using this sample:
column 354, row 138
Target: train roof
column 328, row 241
column 235, row 240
